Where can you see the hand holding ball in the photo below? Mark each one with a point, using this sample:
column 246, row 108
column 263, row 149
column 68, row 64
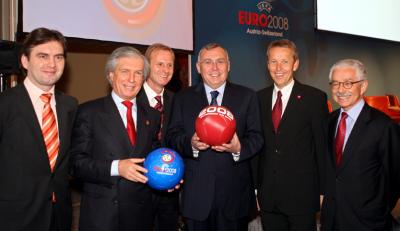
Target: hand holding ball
column 215, row 125
column 165, row 168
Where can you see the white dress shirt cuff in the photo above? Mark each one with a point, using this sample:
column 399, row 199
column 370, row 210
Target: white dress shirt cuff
column 236, row 156
column 114, row 168
column 195, row 152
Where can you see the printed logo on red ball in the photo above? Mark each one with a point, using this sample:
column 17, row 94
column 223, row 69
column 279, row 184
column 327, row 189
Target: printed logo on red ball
column 216, row 110
column 215, row 125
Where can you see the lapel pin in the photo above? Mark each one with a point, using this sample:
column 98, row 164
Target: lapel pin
column 147, row 122
column 299, row 97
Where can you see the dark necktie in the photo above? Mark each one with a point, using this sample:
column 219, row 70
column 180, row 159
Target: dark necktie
column 339, row 140
column 130, row 125
column 277, row 111
column 214, row 95
column 159, row 107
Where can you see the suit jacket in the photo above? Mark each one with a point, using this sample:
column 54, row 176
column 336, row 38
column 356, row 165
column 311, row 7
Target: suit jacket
column 99, row 137
column 167, row 97
column 363, row 190
column 26, row 180
column 288, row 169
column 215, row 177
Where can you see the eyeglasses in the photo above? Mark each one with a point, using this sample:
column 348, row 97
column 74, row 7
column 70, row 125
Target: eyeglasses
column 346, row 85
column 210, row 62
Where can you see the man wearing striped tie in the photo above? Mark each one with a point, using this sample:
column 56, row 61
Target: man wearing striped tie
column 35, row 130
column 154, row 94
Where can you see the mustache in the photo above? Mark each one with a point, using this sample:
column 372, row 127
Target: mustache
column 343, row 94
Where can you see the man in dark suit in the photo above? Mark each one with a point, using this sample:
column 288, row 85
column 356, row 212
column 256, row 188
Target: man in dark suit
column 154, row 94
column 35, row 129
column 111, row 137
column 217, row 193
column 288, row 169
column 363, row 159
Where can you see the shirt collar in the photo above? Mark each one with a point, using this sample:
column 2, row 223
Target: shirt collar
column 150, row 92
column 34, row 91
column 355, row 111
column 118, row 100
column 286, row 90
column 221, row 89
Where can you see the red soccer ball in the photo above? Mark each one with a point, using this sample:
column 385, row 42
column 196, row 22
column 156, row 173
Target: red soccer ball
column 215, row 125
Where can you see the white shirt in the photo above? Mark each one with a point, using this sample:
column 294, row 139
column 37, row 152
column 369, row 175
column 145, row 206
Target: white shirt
column 351, row 119
column 34, row 94
column 220, row 90
column 122, row 111
column 122, row 108
column 151, row 94
column 286, row 91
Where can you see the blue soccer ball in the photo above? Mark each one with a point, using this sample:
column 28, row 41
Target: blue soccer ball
column 165, row 168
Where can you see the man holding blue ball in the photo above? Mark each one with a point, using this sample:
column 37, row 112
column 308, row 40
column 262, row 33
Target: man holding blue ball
column 111, row 137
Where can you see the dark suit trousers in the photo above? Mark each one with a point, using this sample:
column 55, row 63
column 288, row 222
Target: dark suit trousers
column 166, row 207
column 53, row 222
column 276, row 221
column 216, row 221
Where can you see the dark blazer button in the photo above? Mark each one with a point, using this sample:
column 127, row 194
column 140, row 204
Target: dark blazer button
column 115, row 202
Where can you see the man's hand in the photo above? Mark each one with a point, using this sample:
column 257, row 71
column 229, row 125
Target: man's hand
column 233, row 146
column 197, row 144
column 176, row 186
column 131, row 170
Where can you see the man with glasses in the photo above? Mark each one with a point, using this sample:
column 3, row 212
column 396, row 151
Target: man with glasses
column 363, row 159
column 289, row 169
column 217, row 190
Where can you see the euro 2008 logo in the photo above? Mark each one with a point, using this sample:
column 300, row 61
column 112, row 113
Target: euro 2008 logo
column 167, row 157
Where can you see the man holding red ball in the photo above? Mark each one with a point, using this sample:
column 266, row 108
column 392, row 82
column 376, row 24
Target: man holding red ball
column 217, row 194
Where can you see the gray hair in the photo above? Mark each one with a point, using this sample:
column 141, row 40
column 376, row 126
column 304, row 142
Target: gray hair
column 357, row 65
column 122, row 52
column 211, row 46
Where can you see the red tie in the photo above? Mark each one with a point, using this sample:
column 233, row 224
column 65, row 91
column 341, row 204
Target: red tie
column 339, row 141
column 49, row 130
column 130, row 125
column 277, row 111
column 159, row 107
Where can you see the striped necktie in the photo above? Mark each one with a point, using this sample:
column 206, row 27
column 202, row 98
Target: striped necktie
column 49, row 130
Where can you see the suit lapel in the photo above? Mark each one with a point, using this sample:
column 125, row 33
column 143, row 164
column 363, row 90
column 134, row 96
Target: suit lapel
column 112, row 121
column 28, row 113
column 167, row 96
column 142, row 126
column 63, row 118
column 355, row 138
column 201, row 100
column 267, row 109
column 228, row 99
column 331, row 136
column 292, row 105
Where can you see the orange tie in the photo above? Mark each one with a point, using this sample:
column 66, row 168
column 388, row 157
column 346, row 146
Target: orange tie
column 49, row 130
